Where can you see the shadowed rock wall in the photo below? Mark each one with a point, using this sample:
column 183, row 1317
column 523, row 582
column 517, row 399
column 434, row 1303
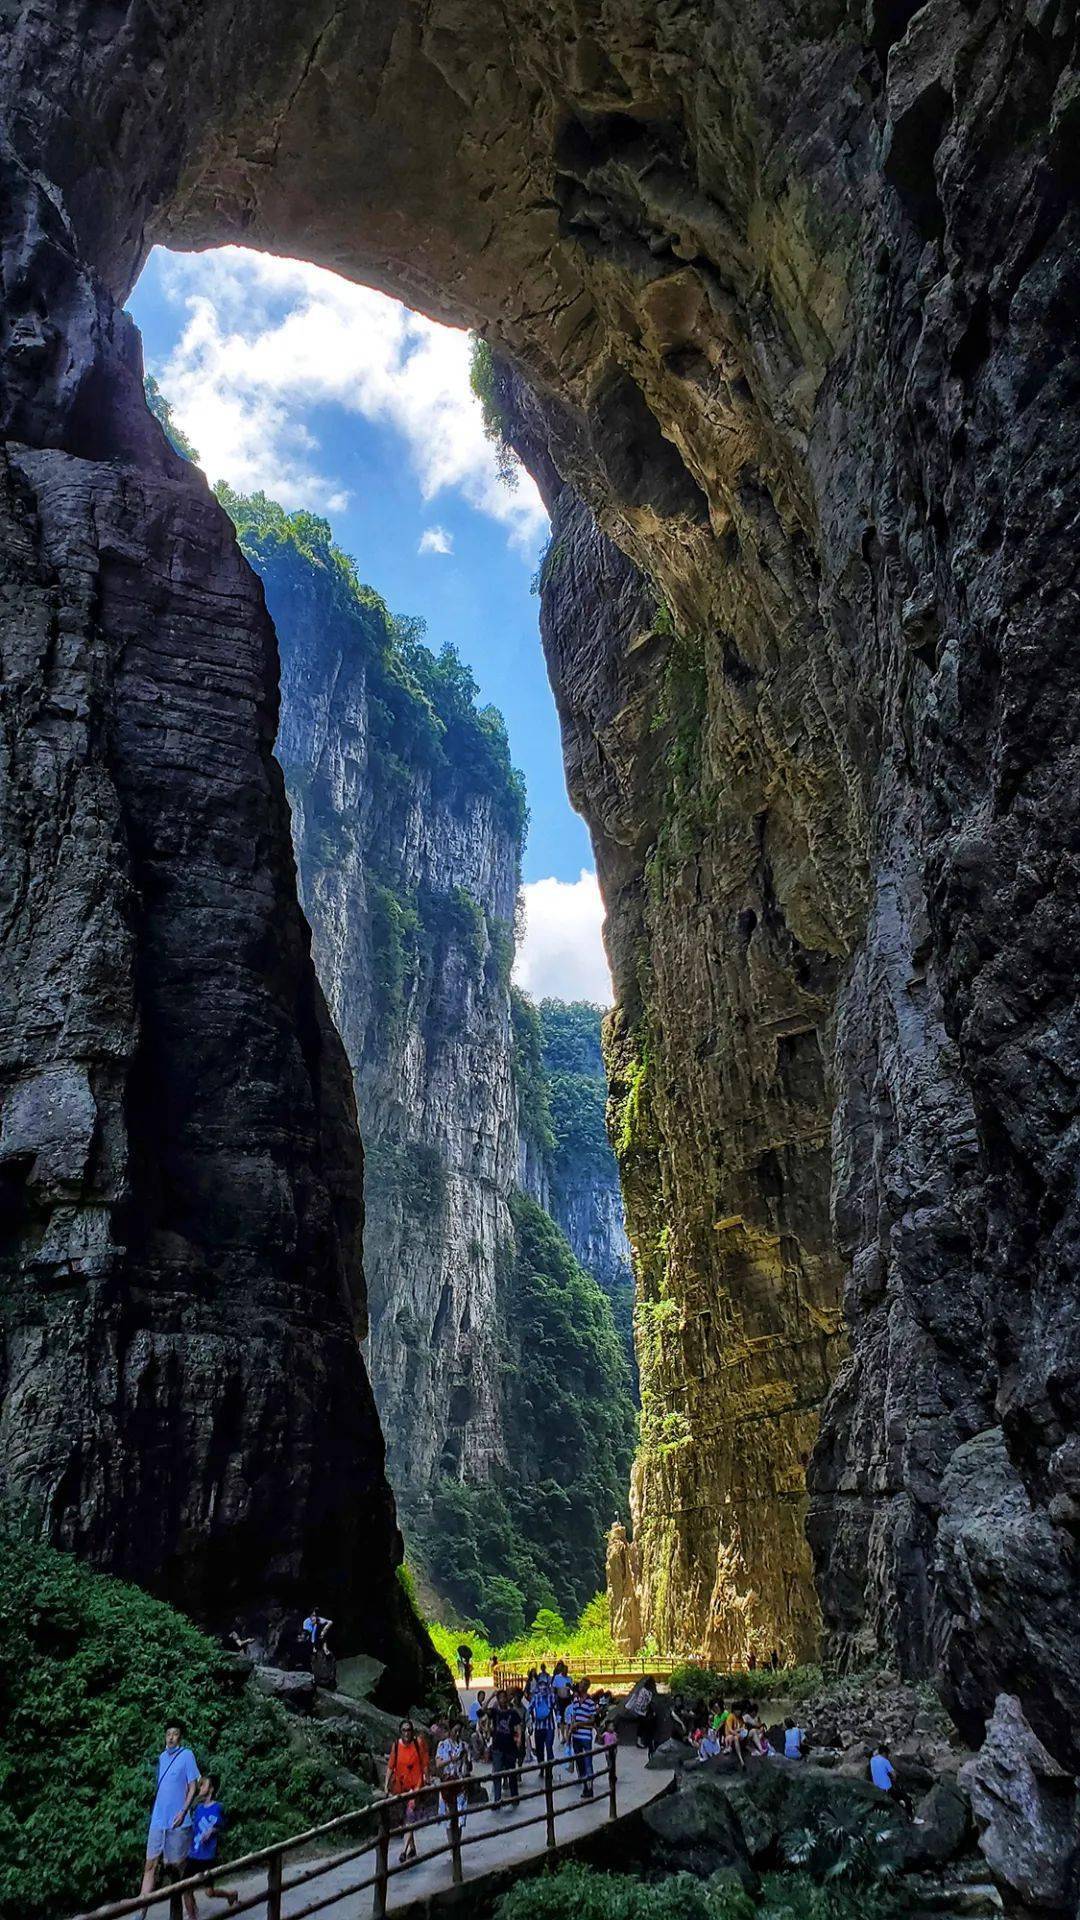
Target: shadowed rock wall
column 797, row 284
column 182, row 1185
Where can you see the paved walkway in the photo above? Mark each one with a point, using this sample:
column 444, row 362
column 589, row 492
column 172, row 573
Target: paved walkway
column 497, row 1850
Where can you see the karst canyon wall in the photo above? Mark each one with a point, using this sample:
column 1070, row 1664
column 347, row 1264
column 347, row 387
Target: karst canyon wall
column 794, row 289
column 408, row 825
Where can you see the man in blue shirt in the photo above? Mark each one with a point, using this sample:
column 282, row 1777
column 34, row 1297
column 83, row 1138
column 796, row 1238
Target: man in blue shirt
column 169, row 1837
column 882, row 1771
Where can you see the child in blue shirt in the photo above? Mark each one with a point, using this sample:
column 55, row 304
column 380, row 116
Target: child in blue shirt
column 208, row 1824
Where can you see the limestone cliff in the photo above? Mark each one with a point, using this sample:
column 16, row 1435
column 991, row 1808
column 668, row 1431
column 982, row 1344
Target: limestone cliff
column 583, row 1193
column 408, row 823
column 181, row 1177
column 718, row 1113
column 796, row 286
column 408, row 844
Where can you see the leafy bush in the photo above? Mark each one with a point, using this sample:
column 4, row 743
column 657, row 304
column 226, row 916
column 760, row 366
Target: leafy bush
column 395, row 948
column 455, row 918
column 488, row 381
column 90, row 1670
column 573, row 1429
column 708, row 1683
column 503, row 1606
column 579, row 1893
column 543, row 1526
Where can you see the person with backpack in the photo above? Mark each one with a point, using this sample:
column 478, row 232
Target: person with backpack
column 168, row 1841
column 407, row 1771
column 207, row 1826
column 543, row 1715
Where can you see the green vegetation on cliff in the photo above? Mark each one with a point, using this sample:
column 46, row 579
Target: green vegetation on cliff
column 577, row 1089
column 537, row 1538
column 423, row 706
column 90, row 1671
column 162, row 412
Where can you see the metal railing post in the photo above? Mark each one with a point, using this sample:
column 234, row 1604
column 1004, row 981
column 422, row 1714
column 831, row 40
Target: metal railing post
column 549, row 1800
column 612, row 1780
column 273, row 1887
column 382, row 1864
column 455, row 1840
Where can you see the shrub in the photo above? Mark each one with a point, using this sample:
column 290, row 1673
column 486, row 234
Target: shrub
column 90, row 1668
column 705, row 1683
column 580, row 1893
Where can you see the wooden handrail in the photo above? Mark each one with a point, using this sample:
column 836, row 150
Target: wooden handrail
column 603, row 1760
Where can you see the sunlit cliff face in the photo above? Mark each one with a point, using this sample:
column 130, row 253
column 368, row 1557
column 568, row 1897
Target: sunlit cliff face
column 789, row 294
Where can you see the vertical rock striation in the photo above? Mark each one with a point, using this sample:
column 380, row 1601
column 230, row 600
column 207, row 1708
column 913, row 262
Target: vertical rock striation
column 408, row 849
column 719, row 1108
column 408, row 823
column 796, row 286
column 184, row 1399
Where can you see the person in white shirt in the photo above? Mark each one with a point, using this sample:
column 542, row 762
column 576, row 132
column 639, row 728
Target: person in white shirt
column 452, row 1766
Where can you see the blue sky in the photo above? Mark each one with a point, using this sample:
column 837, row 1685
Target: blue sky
column 335, row 398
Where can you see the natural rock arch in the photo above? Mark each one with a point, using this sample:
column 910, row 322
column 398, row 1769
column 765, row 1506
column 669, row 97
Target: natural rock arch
column 788, row 284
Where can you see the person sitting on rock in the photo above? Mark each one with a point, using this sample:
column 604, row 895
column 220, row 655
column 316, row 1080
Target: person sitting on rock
column 734, row 1734
column 883, row 1775
column 757, row 1739
column 711, row 1744
column 794, row 1741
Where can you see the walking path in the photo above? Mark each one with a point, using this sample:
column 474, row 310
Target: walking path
column 496, row 1851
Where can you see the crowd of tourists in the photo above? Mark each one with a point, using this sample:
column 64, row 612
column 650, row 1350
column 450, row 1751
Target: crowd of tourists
column 736, row 1729
column 552, row 1718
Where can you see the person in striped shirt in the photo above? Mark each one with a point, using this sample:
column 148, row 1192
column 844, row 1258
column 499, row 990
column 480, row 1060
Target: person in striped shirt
column 582, row 1717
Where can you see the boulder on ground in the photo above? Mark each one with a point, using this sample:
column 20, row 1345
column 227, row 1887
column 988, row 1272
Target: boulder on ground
column 768, row 1814
column 945, row 1826
column 669, row 1754
column 1025, row 1807
column 295, row 1690
column 381, row 1728
column 694, row 1830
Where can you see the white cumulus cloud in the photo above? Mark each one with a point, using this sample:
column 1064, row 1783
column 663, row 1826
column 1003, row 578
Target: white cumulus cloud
column 266, row 341
column 562, row 955
column 436, row 540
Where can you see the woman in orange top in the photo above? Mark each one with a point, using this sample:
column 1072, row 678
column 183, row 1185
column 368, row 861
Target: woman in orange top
column 407, row 1772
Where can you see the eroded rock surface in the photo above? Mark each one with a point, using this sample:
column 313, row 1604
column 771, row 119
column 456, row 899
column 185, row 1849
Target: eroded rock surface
column 1025, row 1805
column 181, row 1177
column 797, row 288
